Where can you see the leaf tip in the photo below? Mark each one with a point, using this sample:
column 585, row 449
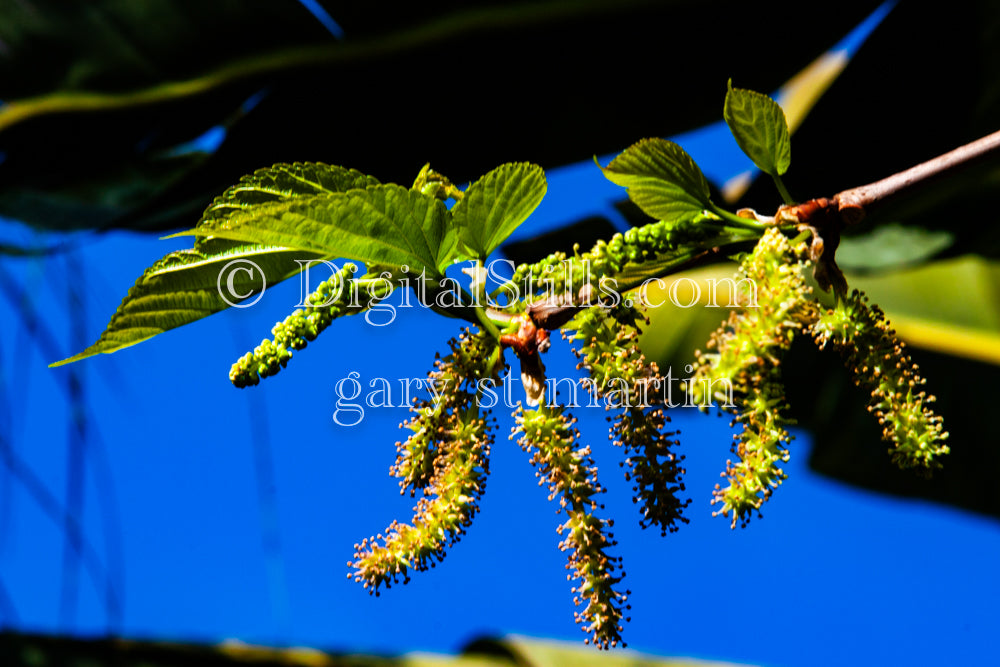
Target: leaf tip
column 186, row 232
column 70, row 360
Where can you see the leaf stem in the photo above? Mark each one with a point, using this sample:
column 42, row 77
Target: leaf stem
column 780, row 184
column 802, row 237
column 487, row 323
column 735, row 220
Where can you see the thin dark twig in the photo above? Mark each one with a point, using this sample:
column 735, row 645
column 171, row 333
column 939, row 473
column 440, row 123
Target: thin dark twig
column 76, row 454
column 40, row 335
column 96, row 451
column 267, row 507
column 7, row 432
column 111, row 524
column 51, row 507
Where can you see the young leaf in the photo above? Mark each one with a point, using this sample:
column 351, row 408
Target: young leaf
column 661, row 179
column 188, row 285
column 758, row 124
column 496, row 204
column 387, row 225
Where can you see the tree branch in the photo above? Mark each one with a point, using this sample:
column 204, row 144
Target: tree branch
column 826, row 218
column 850, row 207
column 857, row 202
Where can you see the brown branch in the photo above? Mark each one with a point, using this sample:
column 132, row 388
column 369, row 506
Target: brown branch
column 850, row 207
column 826, row 218
column 855, row 203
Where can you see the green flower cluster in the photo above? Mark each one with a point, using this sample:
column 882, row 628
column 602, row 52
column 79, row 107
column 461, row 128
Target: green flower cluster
column 746, row 364
column 761, row 448
column 447, row 456
column 881, row 365
column 607, row 259
column 655, row 470
column 335, row 297
column 570, row 473
column 454, row 381
column 611, row 355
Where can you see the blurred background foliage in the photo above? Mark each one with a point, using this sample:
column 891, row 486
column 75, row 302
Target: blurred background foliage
column 124, row 115
column 510, row 651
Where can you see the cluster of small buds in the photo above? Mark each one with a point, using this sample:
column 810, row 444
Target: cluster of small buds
column 436, row 184
column 453, row 384
column 608, row 258
column 881, row 365
column 610, row 353
column 561, row 274
column 549, row 436
column 442, row 515
column 335, row 297
column 777, row 305
column 448, row 457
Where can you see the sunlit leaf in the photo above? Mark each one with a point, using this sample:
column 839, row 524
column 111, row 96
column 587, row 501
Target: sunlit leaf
column 188, row 285
column 759, row 127
column 496, row 204
column 221, row 271
column 386, row 225
column 661, row 179
column 797, row 98
column 281, row 182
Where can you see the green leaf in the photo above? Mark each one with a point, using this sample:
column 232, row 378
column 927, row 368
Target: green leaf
column 387, row 225
column 279, row 182
column 758, row 124
column 496, row 204
column 891, row 246
column 188, row 285
column 282, row 182
column 661, row 179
